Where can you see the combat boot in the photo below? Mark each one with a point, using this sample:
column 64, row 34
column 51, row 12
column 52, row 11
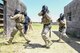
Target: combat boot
column 49, row 43
column 28, row 41
column 8, row 42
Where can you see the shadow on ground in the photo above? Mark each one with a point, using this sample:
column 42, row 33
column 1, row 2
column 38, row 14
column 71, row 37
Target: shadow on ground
column 57, row 41
column 32, row 46
column 7, row 44
column 73, row 42
column 1, row 33
column 3, row 44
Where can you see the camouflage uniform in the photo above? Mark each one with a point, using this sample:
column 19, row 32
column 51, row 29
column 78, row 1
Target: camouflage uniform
column 46, row 28
column 61, row 26
column 62, row 30
column 19, row 19
column 46, row 21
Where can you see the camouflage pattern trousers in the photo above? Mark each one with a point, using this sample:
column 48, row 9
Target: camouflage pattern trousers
column 17, row 28
column 46, row 29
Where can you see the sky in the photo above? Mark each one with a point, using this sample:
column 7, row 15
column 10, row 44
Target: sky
column 0, row 1
column 55, row 7
column 34, row 7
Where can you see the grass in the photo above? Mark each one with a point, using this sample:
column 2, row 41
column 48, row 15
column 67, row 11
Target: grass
column 18, row 46
column 40, row 26
column 37, row 26
column 1, row 29
column 55, row 27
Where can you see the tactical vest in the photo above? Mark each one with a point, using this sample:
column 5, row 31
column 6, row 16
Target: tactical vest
column 61, row 24
column 20, row 19
column 46, row 19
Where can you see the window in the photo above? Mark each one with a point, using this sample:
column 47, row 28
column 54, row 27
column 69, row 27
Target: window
column 69, row 16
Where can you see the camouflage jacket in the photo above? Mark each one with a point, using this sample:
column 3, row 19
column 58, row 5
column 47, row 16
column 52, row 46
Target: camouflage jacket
column 46, row 19
column 19, row 19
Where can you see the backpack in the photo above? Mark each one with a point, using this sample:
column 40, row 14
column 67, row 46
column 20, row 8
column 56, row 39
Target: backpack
column 27, row 20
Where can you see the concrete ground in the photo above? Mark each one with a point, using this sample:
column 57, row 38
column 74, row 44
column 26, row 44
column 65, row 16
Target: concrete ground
column 19, row 45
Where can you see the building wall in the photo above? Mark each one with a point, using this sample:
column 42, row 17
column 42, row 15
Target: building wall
column 72, row 14
column 22, row 7
column 10, row 6
column 1, row 15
